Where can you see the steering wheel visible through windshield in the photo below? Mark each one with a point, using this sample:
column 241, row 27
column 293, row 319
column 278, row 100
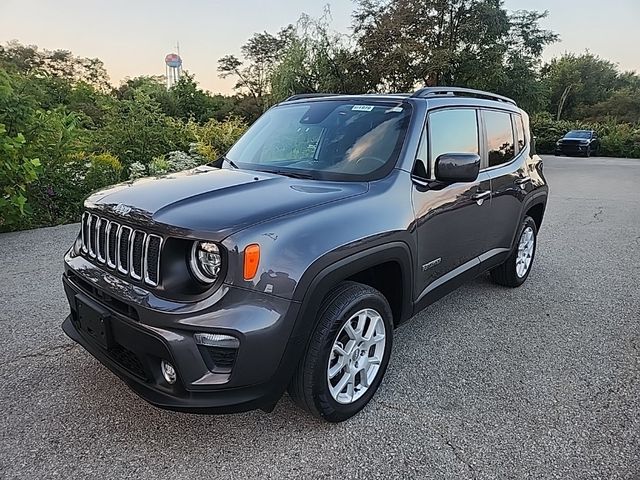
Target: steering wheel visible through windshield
column 332, row 139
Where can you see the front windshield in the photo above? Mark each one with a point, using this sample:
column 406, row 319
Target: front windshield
column 333, row 139
column 578, row 134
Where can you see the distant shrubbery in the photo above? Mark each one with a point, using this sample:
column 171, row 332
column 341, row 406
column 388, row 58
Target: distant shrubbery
column 64, row 133
column 617, row 139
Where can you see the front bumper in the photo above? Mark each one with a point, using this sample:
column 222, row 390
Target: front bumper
column 572, row 149
column 142, row 336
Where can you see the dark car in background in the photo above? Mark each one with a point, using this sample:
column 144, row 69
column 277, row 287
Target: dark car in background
column 332, row 220
column 578, row 142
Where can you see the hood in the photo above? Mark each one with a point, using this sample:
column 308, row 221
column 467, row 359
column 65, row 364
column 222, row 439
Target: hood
column 213, row 203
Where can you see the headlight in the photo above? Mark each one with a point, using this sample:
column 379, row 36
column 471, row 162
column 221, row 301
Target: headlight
column 205, row 261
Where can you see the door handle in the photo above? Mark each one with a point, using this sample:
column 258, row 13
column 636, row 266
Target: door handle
column 481, row 196
column 522, row 180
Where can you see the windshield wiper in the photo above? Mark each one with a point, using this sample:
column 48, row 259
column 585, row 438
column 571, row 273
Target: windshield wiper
column 230, row 162
column 289, row 173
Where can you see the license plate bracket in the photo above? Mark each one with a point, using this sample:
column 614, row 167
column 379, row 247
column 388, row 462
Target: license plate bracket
column 94, row 322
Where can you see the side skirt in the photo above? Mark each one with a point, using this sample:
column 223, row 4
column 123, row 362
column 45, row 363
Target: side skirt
column 456, row 277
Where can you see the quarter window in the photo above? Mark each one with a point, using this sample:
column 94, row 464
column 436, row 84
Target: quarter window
column 452, row 130
column 517, row 119
column 500, row 144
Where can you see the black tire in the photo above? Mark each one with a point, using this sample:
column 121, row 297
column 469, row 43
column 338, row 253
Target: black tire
column 506, row 273
column 588, row 152
column 309, row 386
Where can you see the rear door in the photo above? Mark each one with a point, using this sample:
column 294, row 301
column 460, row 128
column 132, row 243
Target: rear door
column 505, row 157
column 450, row 219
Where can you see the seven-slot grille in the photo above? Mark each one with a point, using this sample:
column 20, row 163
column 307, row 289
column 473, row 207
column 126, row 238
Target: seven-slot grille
column 132, row 252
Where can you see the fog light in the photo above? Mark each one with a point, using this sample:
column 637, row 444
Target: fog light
column 168, row 372
column 216, row 340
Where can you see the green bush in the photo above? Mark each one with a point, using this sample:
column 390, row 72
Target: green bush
column 215, row 138
column 617, row 139
column 104, row 169
column 16, row 173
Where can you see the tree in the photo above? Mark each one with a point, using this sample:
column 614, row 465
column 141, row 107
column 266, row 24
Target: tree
column 317, row 61
column 190, row 101
column 575, row 82
column 623, row 105
column 475, row 43
column 28, row 59
column 261, row 53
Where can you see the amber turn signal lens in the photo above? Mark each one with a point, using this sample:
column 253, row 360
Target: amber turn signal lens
column 251, row 261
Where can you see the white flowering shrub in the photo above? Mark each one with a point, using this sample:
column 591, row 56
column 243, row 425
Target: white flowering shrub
column 137, row 170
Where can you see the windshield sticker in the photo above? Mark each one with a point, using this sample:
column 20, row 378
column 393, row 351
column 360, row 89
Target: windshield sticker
column 362, row 108
column 394, row 110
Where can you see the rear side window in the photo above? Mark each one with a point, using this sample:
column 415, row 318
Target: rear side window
column 500, row 143
column 453, row 130
column 520, row 140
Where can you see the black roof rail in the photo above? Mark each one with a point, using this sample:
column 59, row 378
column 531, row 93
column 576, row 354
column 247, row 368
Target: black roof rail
column 460, row 91
column 301, row 96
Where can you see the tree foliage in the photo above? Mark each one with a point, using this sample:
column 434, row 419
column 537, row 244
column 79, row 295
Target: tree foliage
column 316, row 60
column 409, row 43
column 260, row 54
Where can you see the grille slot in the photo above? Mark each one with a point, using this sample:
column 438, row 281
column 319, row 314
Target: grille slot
column 123, row 249
column 93, row 221
column 85, row 232
column 137, row 245
column 101, row 232
column 132, row 252
column 152, row 259
column 112, row 243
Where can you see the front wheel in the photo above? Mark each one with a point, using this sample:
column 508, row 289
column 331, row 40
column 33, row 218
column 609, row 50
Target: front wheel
column 515, row 270
column 347, row 355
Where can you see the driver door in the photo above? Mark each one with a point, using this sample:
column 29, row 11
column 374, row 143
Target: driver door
column 450, row 218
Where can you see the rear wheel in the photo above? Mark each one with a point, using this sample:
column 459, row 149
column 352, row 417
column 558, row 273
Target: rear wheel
column 515, row 270
column 347, row 355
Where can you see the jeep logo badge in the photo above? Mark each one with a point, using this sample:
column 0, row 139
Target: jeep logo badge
column 121, row 209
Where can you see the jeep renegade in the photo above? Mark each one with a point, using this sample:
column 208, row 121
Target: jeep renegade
column 334, row 219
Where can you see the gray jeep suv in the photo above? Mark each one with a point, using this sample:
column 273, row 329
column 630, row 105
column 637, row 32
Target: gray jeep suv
column 329, row 223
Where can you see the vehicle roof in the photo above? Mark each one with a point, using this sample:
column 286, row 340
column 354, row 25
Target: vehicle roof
column 432, row 101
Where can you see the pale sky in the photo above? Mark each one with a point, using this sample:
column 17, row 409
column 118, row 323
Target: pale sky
column 132, row 37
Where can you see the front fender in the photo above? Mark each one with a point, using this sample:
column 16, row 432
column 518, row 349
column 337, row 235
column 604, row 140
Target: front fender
column 295, row 247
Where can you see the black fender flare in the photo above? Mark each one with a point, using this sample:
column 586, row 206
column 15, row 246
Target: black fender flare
column 326, row 272
column 538, row 197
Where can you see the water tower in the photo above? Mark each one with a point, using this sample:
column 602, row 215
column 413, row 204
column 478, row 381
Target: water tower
column 173, row 69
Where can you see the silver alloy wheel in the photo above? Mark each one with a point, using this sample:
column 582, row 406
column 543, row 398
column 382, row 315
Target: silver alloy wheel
column 356, row 355
column 525, row 251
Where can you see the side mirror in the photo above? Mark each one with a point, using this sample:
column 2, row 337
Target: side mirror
column 457, row 167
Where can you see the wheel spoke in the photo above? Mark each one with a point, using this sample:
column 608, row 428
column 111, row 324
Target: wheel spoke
column 337, row 389
column 348, row 328
column 375, row 340
column 362, row 321
column 350, row 388
column 339, row 350
column 337, row 368
column 371, row 330
column 364, row 377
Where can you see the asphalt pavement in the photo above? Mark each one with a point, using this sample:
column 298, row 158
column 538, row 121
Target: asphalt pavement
column 537, row 382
